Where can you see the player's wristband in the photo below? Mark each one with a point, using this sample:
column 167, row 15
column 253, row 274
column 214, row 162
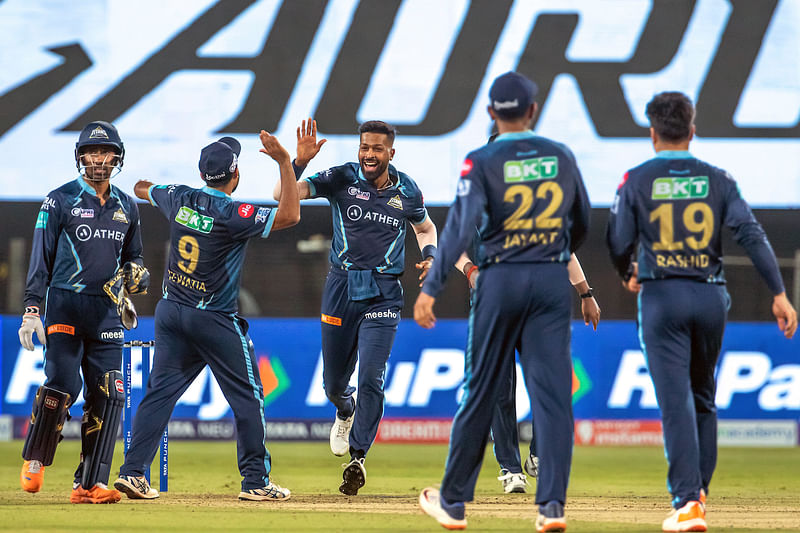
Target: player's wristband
column 298, row 170
column 470, row 270
column 32, row 310
column 587, row 294
column 428, row 251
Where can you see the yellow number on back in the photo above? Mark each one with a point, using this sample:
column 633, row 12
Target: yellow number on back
column 544, row 220
column 666, row 232
column 190, row 251
column 515, row 220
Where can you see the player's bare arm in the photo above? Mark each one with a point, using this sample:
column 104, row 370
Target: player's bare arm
column 289, row 205
column 426, row 236
column 141, row 188
column 590, row 309
column 307, row 148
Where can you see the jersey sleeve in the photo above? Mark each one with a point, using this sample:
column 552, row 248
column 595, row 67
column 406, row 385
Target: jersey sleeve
column 324, row 184
column 749, row 234
column 163, row 197
column 250, row 220
column 581, row 210
column 132, row 245
column 43, row 252
column 418, row 213
column 459, row 230
column 622, row 230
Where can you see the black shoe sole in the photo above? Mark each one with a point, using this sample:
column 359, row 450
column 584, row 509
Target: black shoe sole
column 352, row 480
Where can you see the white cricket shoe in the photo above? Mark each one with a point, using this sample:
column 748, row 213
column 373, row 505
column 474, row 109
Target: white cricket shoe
column 512, row 482
column 430, row 501
column 551, row 518
column 690, row 517
column 135, row 487
column 271, row 493
column 340, row 435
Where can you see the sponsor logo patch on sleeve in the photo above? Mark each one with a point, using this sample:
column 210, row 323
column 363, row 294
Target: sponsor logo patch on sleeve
column 61, row 328
column 466, row 167
column 246, row 210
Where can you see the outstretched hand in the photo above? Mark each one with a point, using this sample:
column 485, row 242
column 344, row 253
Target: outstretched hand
column 307, row 145
column 273, row 147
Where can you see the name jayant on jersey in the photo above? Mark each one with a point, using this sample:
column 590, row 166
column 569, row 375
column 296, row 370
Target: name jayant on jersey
column 682, row 260
column 186, row 281
column 533, row 238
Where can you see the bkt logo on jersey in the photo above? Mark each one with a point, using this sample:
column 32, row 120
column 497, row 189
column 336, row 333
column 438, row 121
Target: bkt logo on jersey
column 680, row 188
column 539, row 168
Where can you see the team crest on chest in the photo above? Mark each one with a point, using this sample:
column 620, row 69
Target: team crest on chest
column 396, row 202
column 119, row 216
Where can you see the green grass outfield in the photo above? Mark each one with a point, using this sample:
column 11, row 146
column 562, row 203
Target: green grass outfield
column 612, row 489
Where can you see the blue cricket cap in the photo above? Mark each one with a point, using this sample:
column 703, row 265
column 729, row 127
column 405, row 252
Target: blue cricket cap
column 218, row 160
column 511, row 95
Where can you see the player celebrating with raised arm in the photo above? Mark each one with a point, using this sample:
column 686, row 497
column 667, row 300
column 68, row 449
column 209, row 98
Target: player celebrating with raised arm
column 674, row 207
column 87, row 234
column 196, row 322
column 531, row 195
column 371, row 202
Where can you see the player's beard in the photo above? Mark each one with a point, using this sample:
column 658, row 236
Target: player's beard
column 373, row 174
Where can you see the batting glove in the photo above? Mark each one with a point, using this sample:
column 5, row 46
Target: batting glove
column 30, row 323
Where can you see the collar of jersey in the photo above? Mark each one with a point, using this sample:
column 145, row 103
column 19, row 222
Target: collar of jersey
column 515, row 135
column 214, row 192
column 85, row 187
column 392, row 173
column 674, row 154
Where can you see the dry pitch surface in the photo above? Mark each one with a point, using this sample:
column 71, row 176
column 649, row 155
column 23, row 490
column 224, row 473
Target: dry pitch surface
column 612, row 489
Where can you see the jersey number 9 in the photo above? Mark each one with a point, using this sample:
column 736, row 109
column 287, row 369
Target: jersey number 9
column 189, row 250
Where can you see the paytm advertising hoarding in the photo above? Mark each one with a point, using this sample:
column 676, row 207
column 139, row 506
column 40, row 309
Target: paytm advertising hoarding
column 758, row 373
column 173, row 75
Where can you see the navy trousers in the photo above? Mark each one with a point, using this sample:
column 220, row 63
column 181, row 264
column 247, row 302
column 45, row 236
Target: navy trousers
column 360, row 331
column 83, row 333
column 188, row 339
column 524, row 307
column 504, row 428
column 681, row 323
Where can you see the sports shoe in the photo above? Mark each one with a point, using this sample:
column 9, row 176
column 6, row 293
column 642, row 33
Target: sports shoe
column 512, row 482
column 340, row 435
column 353, row 477
column 703, row 499
column 430, row 501
column 271, row 493
column 100, row 493
column 551, row 517
column 135, row 487
column 32, row 476
column 531, row 466
column 690, row 517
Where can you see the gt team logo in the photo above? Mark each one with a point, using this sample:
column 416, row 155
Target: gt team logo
column 98, row 133
column 396, row 202
column 680, row 188
column 193, row 220
column 119, row 216
column 538, row 168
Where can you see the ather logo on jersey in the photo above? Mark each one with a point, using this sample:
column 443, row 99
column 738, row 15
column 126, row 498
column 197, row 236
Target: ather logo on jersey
column 539, row 168
column 680, row 188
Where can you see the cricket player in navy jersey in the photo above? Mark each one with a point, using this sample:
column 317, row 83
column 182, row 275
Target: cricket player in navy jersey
column 674, row 207
column 504, row 423
column 526, row 195
column 371, row 202
column 196, row 321
column 87, row 250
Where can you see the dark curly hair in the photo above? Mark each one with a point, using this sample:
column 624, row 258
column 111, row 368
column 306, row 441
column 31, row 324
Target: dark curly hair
column 671, row 115
column 378, row 126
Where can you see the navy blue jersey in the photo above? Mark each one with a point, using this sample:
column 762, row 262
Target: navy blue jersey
column 369, row 226
column 674, row 206
column 208, row 237
column 79, row 244
column 526, row 196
